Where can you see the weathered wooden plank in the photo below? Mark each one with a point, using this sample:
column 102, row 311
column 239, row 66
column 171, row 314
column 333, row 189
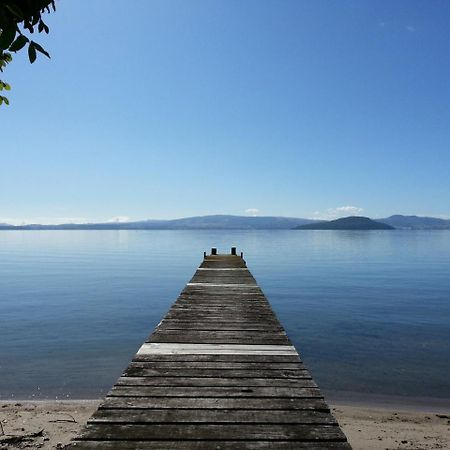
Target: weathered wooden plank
column 215, row 382
column 227, row 281
column 202, row 335
column 219, row 326
column 229, row 312
column 232, row 283
column 188, row 363
column 237, row 301
column 248, row 296
column 211, row 416
column 219, row 337
column 199, row 392
column 225, row 311
column 249, row 359
column 215, row 325
column 250, row 304
column 235, row 310
column 221, row 264
column 152, row 348
column 225, row 314
column 223, row 275
column 206, row 445
column 223, row 269
column 212, row 431
column 251, row 310
column 227, row 305
column 227, row 373
column 264, row 403
column 206, row 300
column 203, row 293
column 223, row 317
column 220, row 284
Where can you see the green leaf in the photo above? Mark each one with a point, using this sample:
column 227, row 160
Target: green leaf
column 5, row 58
column 40, row 49
column 43, row 27
column 14, row 9
column 7, row 36
column 19, row 43
column 27, row 25
column 7, row 86
column 32, row 52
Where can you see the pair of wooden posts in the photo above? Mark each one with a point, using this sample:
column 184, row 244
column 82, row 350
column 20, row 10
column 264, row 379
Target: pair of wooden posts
column 214, row 252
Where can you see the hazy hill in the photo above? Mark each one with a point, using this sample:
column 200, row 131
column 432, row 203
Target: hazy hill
column 347, row 223
column 225, row 222
column 415, row 222
column 237, row 222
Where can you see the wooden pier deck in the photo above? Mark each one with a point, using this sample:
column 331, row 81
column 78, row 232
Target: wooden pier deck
column 218, row 372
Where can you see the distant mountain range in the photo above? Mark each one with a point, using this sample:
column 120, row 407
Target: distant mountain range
column 218, row 222
column 416, row 222
column 228, row 222
column 347, row 223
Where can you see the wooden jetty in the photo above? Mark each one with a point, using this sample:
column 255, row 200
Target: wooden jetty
column 218, row 372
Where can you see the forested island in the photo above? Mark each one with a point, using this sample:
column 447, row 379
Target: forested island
column 347, row 223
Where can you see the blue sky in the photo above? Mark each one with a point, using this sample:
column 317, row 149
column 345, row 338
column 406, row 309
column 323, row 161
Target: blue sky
column 167, row 109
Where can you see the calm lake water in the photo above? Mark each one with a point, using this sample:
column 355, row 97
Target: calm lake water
column 369, row 311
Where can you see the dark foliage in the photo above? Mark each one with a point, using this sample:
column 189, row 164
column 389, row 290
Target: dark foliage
column 17, row 19
column 347, row 223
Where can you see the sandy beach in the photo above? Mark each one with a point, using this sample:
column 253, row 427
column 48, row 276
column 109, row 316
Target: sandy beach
column 380, row 428
column 51, row 425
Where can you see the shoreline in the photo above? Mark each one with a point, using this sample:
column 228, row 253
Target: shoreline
column 335, row 398
column 50, row 424
column 388, row 402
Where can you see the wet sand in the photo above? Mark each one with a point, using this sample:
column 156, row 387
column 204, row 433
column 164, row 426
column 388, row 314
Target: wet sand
column 51, row 425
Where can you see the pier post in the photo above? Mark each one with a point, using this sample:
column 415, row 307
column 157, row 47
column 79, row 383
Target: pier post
column 214, row 251
column 233, row 251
